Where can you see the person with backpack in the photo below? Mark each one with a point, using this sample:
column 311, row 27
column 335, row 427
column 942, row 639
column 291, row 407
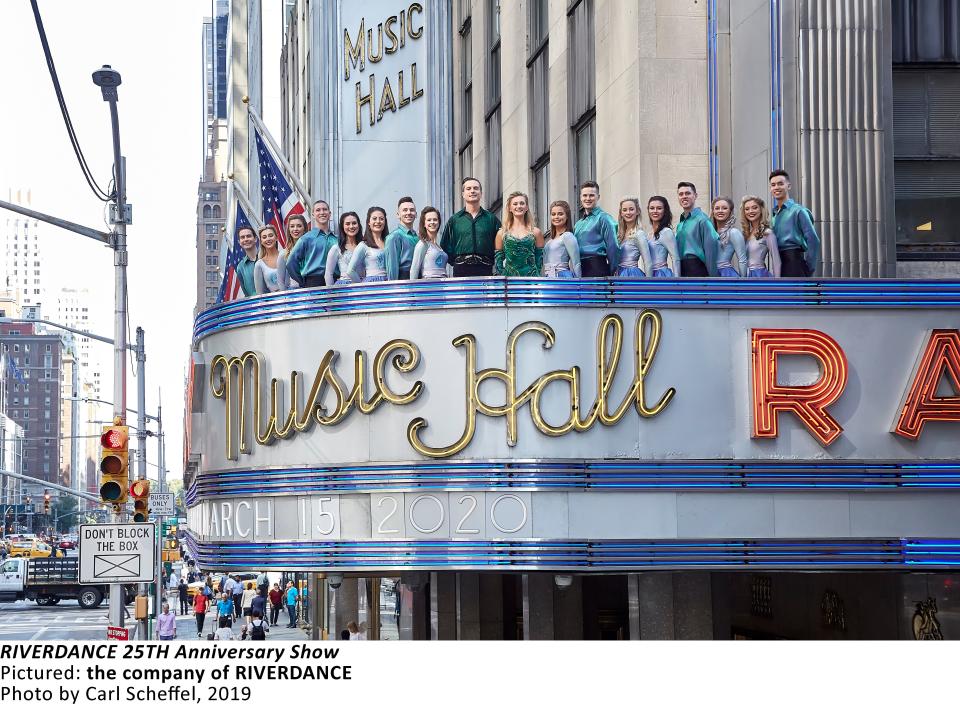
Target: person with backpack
column 258, row 627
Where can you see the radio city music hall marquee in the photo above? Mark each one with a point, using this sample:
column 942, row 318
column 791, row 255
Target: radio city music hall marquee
column 260, row 410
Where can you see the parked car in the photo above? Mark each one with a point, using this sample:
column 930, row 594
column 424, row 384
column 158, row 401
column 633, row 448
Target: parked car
column 66, row 543
column 33, row 549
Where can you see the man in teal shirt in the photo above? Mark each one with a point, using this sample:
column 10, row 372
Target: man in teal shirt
column 248, row 242
column 401, row 241
column 308, row 259
column 596, row 233
column 797, row 239
column 696, row 237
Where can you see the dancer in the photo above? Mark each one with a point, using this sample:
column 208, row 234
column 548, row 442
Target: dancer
column 632, row 245
column 519, row 244
column 662, row 242
column 730, row 239
column 561, row 252
column 761, row 241
column 429, row 260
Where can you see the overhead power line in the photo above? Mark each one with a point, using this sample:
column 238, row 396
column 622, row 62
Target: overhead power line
column 84, row 167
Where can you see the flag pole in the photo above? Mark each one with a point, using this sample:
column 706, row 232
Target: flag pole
column 245, row 203
column 278, row 154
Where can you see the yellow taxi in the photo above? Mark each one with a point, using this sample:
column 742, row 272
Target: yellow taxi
column 33, row 549
column 194, row 588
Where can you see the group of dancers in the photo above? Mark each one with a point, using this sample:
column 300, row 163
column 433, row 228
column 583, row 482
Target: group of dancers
column 749, row 241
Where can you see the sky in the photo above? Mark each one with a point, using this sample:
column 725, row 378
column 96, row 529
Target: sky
column 156, row 47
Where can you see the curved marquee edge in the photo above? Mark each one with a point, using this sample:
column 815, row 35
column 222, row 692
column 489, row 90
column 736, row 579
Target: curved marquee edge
column 596, row 293
column 581, row 555
column 578, row 475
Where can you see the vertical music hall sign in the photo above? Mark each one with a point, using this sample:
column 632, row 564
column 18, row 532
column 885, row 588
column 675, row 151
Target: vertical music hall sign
column 393, row 104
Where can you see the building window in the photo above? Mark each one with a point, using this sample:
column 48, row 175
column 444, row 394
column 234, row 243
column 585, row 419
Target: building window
column 46, row 428
column 211, row 228
column 207, row 212
column 582, row 82
column 538, row 74
column 47, row 348
column 212, row 245
column 212, row 261
column 465, row 134
column 926, row 156
column 212, row 277
column 216, row 211
column 211, row 293
column 493, row 125
column 211, row 196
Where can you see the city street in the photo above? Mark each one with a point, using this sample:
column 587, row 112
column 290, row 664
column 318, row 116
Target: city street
column 25, row 620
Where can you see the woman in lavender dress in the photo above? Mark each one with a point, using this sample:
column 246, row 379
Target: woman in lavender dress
column 763, row 256
column 731, row 240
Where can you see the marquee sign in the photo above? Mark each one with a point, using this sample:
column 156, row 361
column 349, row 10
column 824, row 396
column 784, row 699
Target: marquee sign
column 532, row 425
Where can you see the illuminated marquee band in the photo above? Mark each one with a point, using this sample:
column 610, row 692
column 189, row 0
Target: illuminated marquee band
column 237, row 379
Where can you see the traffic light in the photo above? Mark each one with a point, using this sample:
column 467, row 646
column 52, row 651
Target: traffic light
column 46, row 502
column 140, row 492
column 114, row 463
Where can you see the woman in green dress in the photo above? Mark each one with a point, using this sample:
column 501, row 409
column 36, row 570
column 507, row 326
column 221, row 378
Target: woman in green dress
column 519, row 245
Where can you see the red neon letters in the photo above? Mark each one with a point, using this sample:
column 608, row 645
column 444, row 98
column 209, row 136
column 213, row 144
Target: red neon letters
column 809, row 403
column 921, row 404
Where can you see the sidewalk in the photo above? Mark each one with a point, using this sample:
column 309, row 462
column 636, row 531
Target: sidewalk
column 187, row 627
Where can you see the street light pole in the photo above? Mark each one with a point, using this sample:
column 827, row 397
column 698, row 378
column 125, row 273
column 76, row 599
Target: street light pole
column 108, row 80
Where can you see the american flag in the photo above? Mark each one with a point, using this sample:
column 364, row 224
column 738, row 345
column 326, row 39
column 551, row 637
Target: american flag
column 230, row 286
column 279, row 198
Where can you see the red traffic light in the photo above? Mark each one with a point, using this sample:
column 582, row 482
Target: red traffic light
column 139, row 488
column 113, row 438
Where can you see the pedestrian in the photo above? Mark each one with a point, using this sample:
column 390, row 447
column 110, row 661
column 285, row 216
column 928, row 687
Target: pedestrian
column 167, row 623
column 224, row 630
column 200, row 611
column 263, row 584
column 225, row 607
column 291, row 598
column 259, row 603
column 344, row 634
column 401, row 242
column 237, row 596
column 796, row 237
column 354, row 630
column 276, row 603
column 258, row 626
column 246, row 602
column 469, row 236
column 183, row 596
column 362, row 635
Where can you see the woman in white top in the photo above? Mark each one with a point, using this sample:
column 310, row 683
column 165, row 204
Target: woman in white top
column 662, row 242
column 429, row 260
column 731, row 240
column 370, row 252
column 561, row 251
column 270, row 270
column 634, row 251
column 296, row 227
column 763, row 255
column 339, row 255
column 246, row 601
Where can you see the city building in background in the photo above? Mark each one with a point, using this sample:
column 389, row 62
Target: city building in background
column 35, row 399
column 22, row 252
column 682, row 526
column 211, row 192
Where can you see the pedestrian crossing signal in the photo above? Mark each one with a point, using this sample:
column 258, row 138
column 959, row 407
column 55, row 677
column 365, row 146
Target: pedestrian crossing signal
column 114, row 457
column 140, row 491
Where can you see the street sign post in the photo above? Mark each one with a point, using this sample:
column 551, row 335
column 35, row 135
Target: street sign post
column 117, row 553
column 162, row 504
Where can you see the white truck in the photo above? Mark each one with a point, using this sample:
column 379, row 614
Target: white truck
column 47, row 581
